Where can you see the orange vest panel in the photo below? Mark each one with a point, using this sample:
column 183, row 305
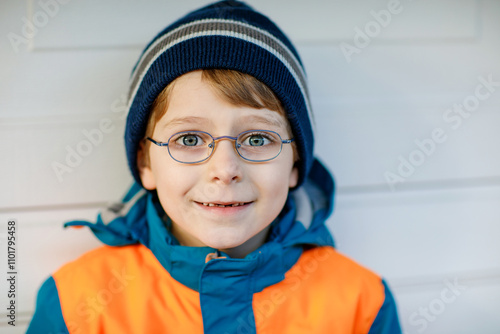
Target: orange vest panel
column 324, row 292
column 125, row 290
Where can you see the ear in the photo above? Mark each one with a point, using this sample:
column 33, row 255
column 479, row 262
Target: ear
column 145, row 172
column 294, row 177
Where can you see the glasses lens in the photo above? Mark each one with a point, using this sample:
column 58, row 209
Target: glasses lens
column 190, row 147
column 259, row 145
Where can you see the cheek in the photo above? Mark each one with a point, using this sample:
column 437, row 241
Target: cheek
column 275, row 183
column 173, row 187
column 282, row 174
column 273, row 194
column 172, row 179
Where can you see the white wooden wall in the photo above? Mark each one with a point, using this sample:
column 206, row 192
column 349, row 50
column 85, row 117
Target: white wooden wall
column 438, row 228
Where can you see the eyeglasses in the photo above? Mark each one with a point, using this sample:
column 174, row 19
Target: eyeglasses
column 192, row 147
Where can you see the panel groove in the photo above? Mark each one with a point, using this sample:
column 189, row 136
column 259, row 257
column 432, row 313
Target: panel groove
column 459, row 184
column 58, row 207
column 472, row 277
column 123, row 47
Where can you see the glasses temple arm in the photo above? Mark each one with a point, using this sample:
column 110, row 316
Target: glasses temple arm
column 156, row 142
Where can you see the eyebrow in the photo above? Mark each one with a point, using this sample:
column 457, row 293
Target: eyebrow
column 271, row 121
column 186, row 120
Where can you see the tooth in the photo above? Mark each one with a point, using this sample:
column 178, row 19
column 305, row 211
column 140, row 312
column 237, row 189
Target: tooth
column 211, row 204
column 205, row 204
column 221, row 206
column 235, row 204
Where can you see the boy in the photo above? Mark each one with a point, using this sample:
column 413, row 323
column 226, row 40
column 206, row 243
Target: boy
column 224, row 231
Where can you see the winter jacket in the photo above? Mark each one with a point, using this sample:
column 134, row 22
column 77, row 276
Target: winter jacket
column 143, row 281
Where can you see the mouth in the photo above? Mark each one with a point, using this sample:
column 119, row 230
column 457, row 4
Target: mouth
column 224, row 205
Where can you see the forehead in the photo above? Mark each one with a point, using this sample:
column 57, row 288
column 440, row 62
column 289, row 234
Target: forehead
column 192, row 101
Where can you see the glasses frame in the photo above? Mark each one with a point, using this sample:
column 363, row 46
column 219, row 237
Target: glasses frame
column 213, row 144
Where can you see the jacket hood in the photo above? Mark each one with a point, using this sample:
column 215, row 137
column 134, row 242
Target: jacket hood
column 139, row 218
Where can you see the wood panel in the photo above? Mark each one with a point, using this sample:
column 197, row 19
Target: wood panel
column 420, row 233
column 71, row 83
column 397, row 150
column 454, row 305
column 62, row 162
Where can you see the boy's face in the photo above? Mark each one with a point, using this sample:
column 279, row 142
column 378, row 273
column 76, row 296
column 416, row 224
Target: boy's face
column 225, row 178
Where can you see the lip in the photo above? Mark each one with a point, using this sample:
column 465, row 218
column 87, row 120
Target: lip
column 225, row 208
column 224, row 204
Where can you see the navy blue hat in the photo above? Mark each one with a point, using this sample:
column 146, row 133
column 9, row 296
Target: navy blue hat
column 223, row 35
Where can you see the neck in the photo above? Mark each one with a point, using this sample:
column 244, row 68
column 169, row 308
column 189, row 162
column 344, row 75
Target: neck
column 249, row 246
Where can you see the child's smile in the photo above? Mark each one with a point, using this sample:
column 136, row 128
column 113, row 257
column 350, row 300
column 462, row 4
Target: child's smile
column 226, row 209
column 224, row 202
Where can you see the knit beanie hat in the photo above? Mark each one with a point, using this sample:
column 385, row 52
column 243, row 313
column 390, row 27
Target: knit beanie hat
column 222, row 35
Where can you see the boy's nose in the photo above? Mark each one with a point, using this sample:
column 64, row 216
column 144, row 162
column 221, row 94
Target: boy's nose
column 225, row 164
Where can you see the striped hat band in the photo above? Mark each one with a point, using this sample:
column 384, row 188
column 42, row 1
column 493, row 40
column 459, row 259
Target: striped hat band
column 224, row 28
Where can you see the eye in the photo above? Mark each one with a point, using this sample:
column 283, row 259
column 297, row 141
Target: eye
column 257, row 139
column 189, row 139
